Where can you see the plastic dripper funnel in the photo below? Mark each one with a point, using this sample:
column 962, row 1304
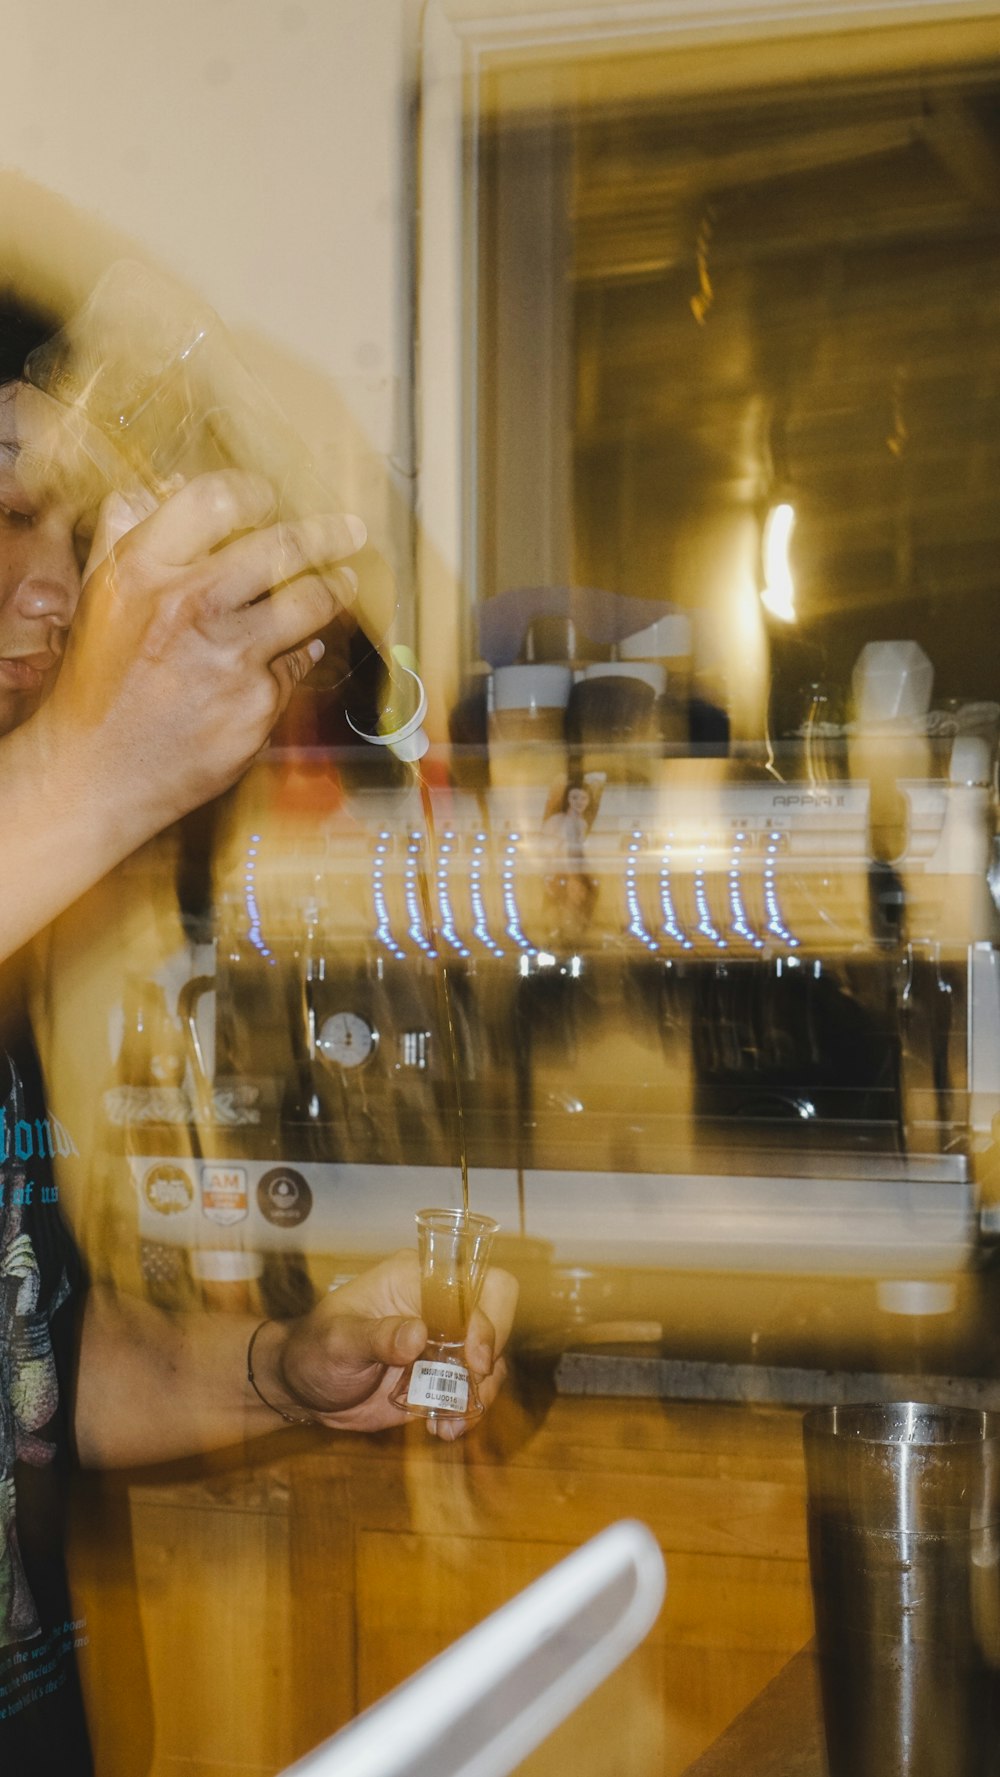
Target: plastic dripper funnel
column 155, row 372
column 487, row 1701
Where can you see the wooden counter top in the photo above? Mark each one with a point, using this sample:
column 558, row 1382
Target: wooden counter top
column 275, row 1597
column 780, row 1734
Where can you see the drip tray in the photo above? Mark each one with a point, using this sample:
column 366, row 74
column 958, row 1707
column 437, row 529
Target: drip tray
column 650, row 1377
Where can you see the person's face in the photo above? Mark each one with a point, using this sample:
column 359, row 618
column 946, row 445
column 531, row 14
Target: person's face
column 48, row 496
column 577, row 801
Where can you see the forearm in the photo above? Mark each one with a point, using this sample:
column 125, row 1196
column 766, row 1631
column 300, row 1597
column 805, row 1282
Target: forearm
column 62, row 830
column 153, row 1387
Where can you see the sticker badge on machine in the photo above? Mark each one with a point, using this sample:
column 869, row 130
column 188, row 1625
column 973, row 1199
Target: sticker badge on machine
column 224, row 1194
column 438, row 1385
column 283, row 1197
column 168, row 1189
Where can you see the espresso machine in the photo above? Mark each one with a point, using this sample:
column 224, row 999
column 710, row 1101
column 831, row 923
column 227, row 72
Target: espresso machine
column 681, row 1015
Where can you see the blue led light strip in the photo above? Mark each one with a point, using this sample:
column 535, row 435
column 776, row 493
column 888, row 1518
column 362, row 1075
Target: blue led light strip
column 383, row 930
column 739, row 924
column 254, row 932
column 636, row 924
column 415, row 929
column 446, row 924
column 670, row 925
column 705, row 926
column 480, row 929
column 510, row 907
column 775, row 923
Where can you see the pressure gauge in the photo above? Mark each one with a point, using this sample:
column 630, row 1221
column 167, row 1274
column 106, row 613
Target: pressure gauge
column 347, row 1039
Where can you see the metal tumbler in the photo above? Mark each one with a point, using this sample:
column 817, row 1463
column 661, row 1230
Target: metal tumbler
column 904, row 1551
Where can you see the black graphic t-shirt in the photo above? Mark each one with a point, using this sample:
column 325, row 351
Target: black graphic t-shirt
column 42, row 1727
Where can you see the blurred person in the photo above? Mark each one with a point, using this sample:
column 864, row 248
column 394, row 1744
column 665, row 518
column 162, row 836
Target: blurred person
column 570, row 890
column 141, row 670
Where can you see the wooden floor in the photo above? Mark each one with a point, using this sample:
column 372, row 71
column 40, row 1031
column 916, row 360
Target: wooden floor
column 258, row 1608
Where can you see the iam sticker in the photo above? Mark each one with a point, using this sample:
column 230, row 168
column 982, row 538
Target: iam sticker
column 168, row 1189
column 224, row 1194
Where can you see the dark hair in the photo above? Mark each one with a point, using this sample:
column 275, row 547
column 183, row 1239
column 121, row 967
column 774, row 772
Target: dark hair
column 575, row 783
column 24, row 325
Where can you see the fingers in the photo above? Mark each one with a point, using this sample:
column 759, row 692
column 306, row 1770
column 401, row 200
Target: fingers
column 489, row 1328
column 291, row 668
column 343, row 1364
column 448, row 1430
column 391, row 1286
column 198, row 525
column 398, row 1341
column 204, row 512
column 480, row 1343
column 211, row 509
column 277, row 624
column 274, row 627
column 342, row 1361
column 118, row 514
column 354, row 1341
column 254, row 564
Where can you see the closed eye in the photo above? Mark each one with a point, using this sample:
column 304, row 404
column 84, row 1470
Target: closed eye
column 13, row 516
column 83, row 537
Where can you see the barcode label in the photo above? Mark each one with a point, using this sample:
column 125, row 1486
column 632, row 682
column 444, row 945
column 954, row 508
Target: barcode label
column 438, row 1385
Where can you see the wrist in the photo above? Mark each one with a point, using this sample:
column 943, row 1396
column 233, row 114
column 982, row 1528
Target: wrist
column 266, row 1376
column 97, row 799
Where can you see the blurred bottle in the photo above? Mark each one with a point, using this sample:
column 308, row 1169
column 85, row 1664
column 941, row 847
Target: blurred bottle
column 611, row 720
column 310, row 1109
column 145, row 1117
column 151, row 372
column 151, row 1054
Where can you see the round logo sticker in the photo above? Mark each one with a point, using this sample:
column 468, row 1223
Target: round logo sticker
column 168, row 1189
column 283, row 1197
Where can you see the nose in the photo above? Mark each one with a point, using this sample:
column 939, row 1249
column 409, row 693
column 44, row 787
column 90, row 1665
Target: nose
column 50, row 588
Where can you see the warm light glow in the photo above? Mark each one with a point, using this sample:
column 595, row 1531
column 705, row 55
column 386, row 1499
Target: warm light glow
column 778, row 594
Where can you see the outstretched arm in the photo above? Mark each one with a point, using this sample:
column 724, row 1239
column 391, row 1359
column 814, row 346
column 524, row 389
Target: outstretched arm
column 154, row 1386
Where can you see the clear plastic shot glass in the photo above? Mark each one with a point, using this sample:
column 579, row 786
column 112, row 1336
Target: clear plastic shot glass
column 454, row 1249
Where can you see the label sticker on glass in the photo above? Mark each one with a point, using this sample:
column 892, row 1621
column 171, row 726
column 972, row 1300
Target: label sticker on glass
column 284, row 1197
column 168, row 1189
column 224, row 1194
column 438, row 1385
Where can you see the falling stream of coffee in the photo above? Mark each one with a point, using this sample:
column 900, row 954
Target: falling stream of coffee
column 443, row 985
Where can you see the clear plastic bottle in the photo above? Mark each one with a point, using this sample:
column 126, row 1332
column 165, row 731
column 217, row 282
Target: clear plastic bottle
column 153, row 372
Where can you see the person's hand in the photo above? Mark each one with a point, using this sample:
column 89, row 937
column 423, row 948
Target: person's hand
column 190, row 636
column 338, row 1365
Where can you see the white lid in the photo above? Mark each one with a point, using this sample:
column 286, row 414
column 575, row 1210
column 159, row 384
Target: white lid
column 666, row 639
column 224, row 1264
column 543, row 686
column 971, row 760
column 892, row 682
column 896, row 1296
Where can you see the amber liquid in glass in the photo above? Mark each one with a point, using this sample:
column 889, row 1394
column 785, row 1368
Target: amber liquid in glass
column 443, row 1301
column 443, row 990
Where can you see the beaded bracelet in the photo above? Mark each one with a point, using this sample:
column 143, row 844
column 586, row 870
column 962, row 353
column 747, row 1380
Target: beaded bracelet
column 289, row 1418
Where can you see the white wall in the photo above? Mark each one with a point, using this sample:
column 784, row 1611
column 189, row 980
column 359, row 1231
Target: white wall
column 261, row 150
